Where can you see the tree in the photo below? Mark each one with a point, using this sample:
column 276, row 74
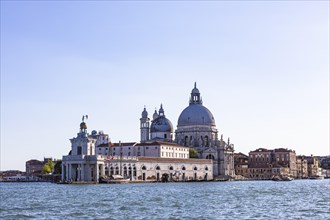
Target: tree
column 193, row 153
column 58, row 167
column 48, row 167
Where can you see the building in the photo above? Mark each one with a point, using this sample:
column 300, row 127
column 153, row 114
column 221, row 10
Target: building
column 302, row 167
column 33, row 167
column 241, row 164
column 264, row 164
column 325, row 162
column 147, row 161
column 196, row 129
column 313, row 166
column 286, row 158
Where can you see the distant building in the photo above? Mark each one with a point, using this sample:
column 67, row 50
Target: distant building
column 241, row 163
column 325, row 162
column 264, row 164
column 302, row 167
column 33, row 167
column 313, row 166
column 6, row 175
column 287, row 159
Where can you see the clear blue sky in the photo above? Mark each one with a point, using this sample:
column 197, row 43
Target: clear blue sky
column 262, row 69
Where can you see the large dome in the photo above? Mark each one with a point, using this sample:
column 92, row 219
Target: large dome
column 161, row 124
column 196, row 114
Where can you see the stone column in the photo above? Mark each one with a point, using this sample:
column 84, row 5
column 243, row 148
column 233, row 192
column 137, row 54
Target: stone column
column 97, row 172
column 82, row 172
column 67, row 171
column 70, row 171
column 63, row 171
column 79, row 172
column 102, row 170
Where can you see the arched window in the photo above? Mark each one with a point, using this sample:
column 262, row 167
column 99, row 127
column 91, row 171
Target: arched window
column 157, row 168
column 171, row 168
column 134, row 171
column 183, row 168
column 206, row 140
column 144, row 168
column 210, row 156
column 195, row 168
column 206, row 168
column 78, row 150
column 186, row 141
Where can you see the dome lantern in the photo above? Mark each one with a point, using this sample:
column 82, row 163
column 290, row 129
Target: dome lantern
column 144, row 113
column 195, row 97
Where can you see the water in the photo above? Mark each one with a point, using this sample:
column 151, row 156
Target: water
column 299, row 199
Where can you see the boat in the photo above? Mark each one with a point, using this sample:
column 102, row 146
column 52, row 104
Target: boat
column 318, row 177
column 114, row 179
column 282, row 178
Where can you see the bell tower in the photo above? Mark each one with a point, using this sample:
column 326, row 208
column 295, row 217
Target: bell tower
column 144, row 126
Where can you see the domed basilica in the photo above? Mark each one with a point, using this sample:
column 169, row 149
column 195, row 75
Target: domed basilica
column 196, row 129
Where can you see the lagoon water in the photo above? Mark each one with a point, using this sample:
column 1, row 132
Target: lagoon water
column 299, row 199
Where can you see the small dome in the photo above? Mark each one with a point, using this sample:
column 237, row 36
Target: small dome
column 195, row 90
column 196, row 115
column 161, row 124
column 155, row 115
column 83, row 125
column 144, row 113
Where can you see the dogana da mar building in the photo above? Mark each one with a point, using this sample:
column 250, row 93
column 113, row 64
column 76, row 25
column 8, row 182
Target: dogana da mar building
column 161, row 152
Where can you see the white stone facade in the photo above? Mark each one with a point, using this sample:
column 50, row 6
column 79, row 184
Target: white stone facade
column 196, row 129
column 148, row 161
column 90, row 168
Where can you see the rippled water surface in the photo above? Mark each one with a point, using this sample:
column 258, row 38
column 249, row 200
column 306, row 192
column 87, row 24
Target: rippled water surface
column 299, row 199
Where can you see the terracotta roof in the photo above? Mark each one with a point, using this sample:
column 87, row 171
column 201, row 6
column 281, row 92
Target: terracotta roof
column 261, row 150
column 34, row 162
column 124, row 144
column 160, row 143
column 174, row 160
column 103, row 145
column 240, row 155
column 283, row 150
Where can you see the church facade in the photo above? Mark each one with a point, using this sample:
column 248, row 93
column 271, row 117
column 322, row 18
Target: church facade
column 160, row 152
column 196, row 129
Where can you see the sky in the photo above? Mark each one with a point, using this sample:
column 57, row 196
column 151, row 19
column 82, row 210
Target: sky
column 262, row 69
